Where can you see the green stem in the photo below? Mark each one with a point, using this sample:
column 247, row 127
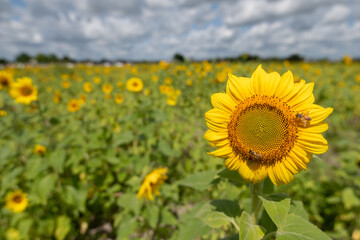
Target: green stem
column 269, row 236
column 255, row 190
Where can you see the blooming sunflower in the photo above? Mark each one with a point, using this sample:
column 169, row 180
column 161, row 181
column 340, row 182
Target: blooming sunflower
column 152, row 183
column 16, row 201
column 87, row 86
column 134, row 85
column 266, row 125
column 39, row 149
column 5, row 80
column 119, row 98
column 73, row 105
column 107, row 88
column 23, row 91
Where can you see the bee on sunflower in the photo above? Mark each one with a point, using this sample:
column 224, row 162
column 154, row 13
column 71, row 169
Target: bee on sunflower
column 256, row 126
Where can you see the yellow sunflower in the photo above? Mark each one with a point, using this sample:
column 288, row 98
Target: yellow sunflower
column 3, row 113
column 23, row 91
column 134, row 84
column 6, row 80
column 73, row 105
column 16, row 201
column 266, row 125
column 57, row 97
column 107, row 88
column 119, row 98
column 152, row 183
column 39, row 149
column 87, row 86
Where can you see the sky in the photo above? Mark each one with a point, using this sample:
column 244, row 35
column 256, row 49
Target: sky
column 156, row 29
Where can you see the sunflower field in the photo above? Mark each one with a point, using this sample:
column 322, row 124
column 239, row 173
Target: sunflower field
column 118, row 152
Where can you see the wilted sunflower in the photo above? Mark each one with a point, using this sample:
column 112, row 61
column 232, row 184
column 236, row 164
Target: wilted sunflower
column 5, row 80
column 39, row 149
column 16, row 201
column 73, row 105
column 152, row 183
column 266, row 125
column 134, row 85
column 23, row 91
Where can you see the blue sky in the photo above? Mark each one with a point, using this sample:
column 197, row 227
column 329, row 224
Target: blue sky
column 156, row 29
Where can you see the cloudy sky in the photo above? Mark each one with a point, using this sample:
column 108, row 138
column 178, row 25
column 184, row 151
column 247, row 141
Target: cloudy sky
column 156, row 29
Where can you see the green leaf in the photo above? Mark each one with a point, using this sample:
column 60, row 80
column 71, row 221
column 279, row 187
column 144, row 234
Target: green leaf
column 57, row 159
column 63, row 226
column 167, row 150
column 217, row 213
column 277, row 206
column 130, row 201
column 126, row 227
column 199, row 181
column 123, row 138
column 231, row 175
column 167, row 217
column 34, row 167
column 192, row 229
column 42, row 187
column 151, row 214
column 232, row 237
column 297, row 208
column 349, row 198
column 248, row 230
column 76, row 197
column 268, row 186
column 297, row 228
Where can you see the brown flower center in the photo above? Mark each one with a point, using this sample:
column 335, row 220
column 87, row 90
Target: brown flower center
column 17, row 199
column 262, row 129
column 4, row 82
column 26, row 91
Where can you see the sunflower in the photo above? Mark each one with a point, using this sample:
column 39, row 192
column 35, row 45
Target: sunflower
column 134, row 85
column 266, row 125
column 3, row 113
column 73, row 105
column 57, row 97
column 119, row 98
column 171, row 100
column 152, row 183
column 107, row 88
column 16, row 201
column 39, row 149
column 65, row 84
column 87, row 86
column 5, row 80
column 23, row 91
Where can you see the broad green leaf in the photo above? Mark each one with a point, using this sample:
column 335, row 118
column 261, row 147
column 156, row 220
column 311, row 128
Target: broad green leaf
column 297, row 228
column 42, row 187
column 167, row 217
column 63, row 226
column 214, row 218
column 248, row 230
column 34, row 167
column 232, row 237
column 199, row 181
column 56, row 160
column 130, row 201
column 231, row 175
column 277, row 207
column 297, row 208
column 192, row 229
column 151, row 214
column 24, row 227
column 76, row 197
column 228, row 207
column 123, row 138
column 167, row 150
column 126, row 227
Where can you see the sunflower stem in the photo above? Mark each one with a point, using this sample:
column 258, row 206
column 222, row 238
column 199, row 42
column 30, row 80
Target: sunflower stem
column 255, row 190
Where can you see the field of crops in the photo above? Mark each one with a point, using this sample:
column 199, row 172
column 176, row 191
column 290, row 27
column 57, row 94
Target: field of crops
column 76, row 154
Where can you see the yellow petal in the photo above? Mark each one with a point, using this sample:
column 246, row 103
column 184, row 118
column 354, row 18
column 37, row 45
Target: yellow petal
column 258, row 81
column 222, row 152
column 217, row 116
column 289, row 164
column 315, row 128
column 273, row 79
column 295, row 91
column 233, row 162
column 252, row 172
column 312, row 137
column 215, row 136
column 285, row 85
column 316, row 147
column 304, row 93
column 217, row 127
column 279, row 174
column 223, row 102
column 238, row 88
column 319, row 114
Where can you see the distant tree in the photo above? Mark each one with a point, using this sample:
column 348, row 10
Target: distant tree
column 178, row 57
column 53, row 58
column 42, row 58
column 23, row 58
column 67, row 59
column 295, row 58
column 3, row 61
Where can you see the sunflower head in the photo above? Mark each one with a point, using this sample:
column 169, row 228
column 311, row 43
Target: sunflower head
column 16, row 201
column 152, row 183
column 134, row 85
column 57, row 97
column 119, row 98
column 73, row 105
column 6, row 80
column 23, row 91
column 87, row 86
column 39, row 149
column 107, row 88
column 266, row 125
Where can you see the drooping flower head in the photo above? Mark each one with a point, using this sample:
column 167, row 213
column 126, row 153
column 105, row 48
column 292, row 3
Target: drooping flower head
column 152, row 183
column 16, row 201
column 23, row 91
column 266, row 125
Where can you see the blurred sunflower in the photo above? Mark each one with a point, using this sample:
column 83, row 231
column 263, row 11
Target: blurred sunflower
column 107, row 88
column 12, row 234
column 119, row 98
column 73, row 105
column 266, row 125
column 171, row 100
column 23, row 91
column 5, row 80
column 134, row 84
column 97, row 80
column 88, row 87
column 3, row 113
column 16, row 201
column 65, row 84
column 152, row 183
column 57, row 97
column 39, row 149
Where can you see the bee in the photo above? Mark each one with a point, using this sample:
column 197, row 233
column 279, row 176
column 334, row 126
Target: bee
column 303, row 119
column 255, row 155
